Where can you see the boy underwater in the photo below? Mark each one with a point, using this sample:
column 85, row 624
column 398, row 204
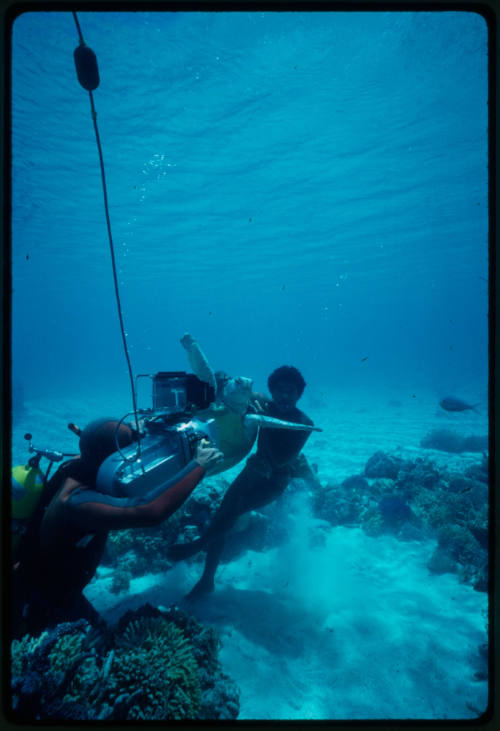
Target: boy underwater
column 264, row 477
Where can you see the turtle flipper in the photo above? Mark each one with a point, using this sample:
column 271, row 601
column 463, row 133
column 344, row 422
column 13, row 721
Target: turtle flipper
column 270, row 422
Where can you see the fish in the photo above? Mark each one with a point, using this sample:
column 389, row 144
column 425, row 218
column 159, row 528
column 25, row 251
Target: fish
column 451, row 403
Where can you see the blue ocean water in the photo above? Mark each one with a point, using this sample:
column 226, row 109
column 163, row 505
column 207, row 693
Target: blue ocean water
column 304, row 188
column 300, row 188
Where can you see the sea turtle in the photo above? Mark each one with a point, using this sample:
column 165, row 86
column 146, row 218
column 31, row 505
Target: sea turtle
column 237, row 429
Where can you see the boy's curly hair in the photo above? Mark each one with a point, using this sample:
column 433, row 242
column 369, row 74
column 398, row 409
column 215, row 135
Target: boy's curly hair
column 289, row 374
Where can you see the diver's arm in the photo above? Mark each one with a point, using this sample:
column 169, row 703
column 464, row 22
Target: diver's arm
column 94, row 510
column 198, row 361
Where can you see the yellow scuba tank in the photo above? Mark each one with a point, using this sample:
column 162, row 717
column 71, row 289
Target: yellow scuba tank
column 28, row 482
column 27, row 486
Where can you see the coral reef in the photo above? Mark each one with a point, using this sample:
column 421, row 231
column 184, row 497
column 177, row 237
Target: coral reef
column 42, row 670
column 447, row 440
column 153, row 661
column 413, row 500
column 339, row 506
column 394, row 510
column 381, row 465
column 480, row 470
column 356, row 482
column 155, row 665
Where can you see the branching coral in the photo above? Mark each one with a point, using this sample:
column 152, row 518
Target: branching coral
column 42, row 670
column 153, row 656
column 22, row 650
column 68, row 648
column 154, row 665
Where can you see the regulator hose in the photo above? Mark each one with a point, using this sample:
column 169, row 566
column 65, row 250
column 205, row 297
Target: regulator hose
column 88, row 76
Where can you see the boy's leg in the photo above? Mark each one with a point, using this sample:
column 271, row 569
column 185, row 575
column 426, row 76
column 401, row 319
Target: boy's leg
column 206, row 582
column 232, row 506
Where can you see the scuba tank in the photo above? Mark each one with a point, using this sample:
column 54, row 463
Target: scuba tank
column 27, row 486
column 28, row 483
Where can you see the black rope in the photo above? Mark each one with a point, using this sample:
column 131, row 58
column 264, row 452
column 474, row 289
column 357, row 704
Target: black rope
column 78, row 29
column 92, row 84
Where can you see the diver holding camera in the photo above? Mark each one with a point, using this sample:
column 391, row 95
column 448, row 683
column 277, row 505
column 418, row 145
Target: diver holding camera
column 142, row 484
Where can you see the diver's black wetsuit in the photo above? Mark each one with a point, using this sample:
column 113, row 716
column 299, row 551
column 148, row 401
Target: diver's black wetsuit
column 263, row 479
column 65, row 543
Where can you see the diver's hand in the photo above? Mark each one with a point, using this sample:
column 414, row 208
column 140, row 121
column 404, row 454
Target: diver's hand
column 208, row 457
column 187, row 340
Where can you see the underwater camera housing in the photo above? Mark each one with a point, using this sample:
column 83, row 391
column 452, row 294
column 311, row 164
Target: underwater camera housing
column 177, row 392
column 171, row 434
